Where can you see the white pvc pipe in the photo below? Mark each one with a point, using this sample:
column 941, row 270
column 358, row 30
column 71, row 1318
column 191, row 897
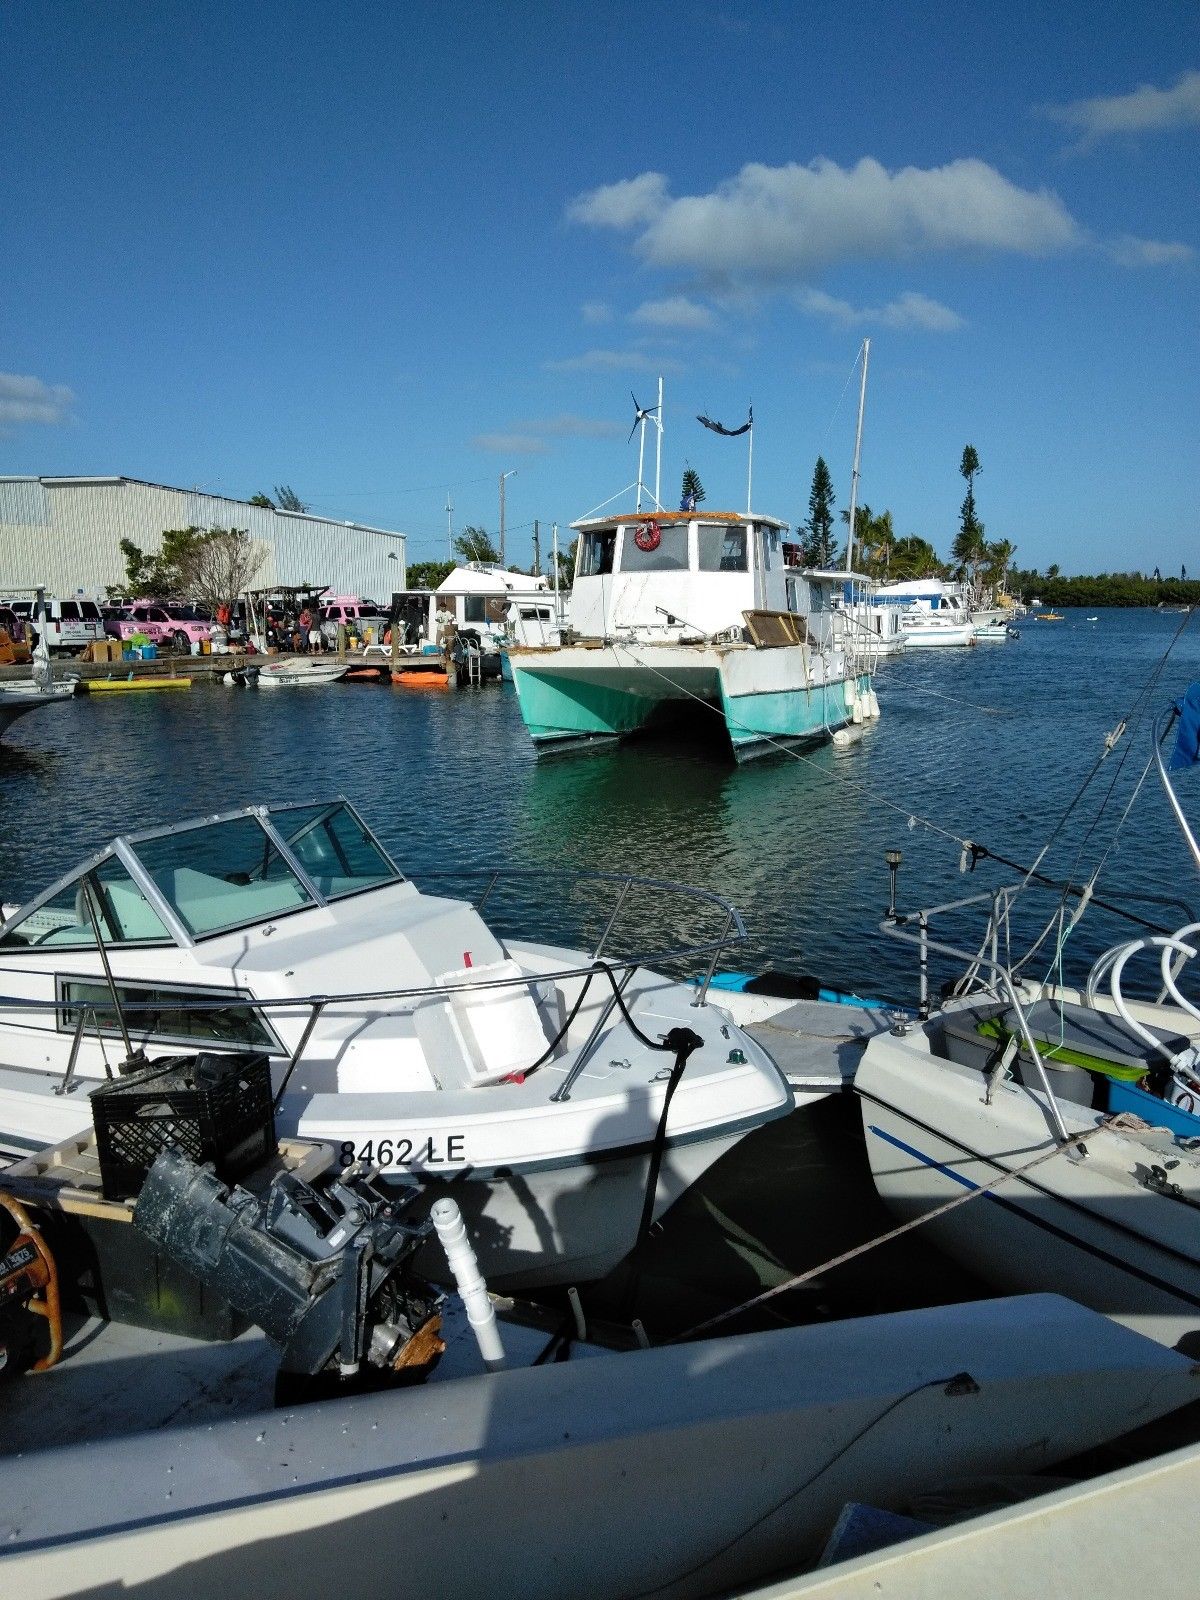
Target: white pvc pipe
column 481, row 1313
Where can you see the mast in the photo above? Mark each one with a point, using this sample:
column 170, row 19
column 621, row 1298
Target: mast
column 750, row 464
column 658, row 451
column 862, row 400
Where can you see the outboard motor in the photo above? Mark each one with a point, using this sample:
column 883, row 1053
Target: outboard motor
column 326, row 1274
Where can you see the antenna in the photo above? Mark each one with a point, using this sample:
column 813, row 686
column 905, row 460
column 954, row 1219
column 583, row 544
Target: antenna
column 449, row 526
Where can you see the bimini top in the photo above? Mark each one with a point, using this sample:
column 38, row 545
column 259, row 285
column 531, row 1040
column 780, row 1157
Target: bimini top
column 195, row 880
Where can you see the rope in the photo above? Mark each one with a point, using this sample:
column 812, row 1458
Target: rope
column 881, row 799
column 895, row 1233
column 955, row 699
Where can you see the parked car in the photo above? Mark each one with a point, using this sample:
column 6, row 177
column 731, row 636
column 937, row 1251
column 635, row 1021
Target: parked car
column 167, row 624
column 71, row 625
column 357, row 614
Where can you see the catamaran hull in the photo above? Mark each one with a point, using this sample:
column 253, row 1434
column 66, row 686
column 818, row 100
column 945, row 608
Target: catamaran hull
column 579, row 695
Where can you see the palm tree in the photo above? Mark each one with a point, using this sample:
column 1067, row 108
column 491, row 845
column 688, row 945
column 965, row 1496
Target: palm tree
column 999, row 559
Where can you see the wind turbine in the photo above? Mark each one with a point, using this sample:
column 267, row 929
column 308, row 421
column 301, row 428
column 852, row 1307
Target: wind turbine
column 641, row 416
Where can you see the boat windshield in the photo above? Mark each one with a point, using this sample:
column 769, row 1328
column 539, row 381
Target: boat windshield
column 222, row 875
column 337, row 851
column 229, row 873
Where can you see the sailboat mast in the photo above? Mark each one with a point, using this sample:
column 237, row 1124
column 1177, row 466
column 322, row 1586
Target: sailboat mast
column 862, row 400
column 658, row 451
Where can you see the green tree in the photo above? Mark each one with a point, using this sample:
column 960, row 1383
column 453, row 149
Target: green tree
column 211, row 565
column 691, row 492
column 287, row 499
column 999, row 559
column 566, row 566
column 428, row 574
column 159, row 574
column 818, row 547
column 913, row 557
column 475, row 544
column 969, row 549
column 264, row 500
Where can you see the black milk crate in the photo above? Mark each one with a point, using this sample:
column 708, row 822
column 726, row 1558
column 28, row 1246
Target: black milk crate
column 215, row 1108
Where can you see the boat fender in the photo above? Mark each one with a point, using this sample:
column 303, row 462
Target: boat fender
column 856, row 711
column 873, row 701
column 648, row 536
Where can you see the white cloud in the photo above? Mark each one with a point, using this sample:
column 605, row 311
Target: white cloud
column 509, row 444
column 677, row 311
column 779, row 224
column 614, row 361
column 626, row 204
column 569, row 426
column 25, row 400
column 1130, row 252
column 908, row 310
column 595, row 311
column 1143, row 110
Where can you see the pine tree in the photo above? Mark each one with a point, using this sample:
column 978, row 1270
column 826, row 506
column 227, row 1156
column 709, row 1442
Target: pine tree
column 692, row 491
column 969, row 548
column 818, row 546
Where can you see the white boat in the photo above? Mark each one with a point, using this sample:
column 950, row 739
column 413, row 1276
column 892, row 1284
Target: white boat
column 18, row 699
column 487, row 607
column 702, row 613
column 40, row 690
column 564, row 1096
column 263, row 672
column 150, row 1465
column 1076, row 1102
column 995, row 632
column 933, row 614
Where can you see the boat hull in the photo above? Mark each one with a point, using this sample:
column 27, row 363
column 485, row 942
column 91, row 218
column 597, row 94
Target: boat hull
column 1082, row 1225
column 582, row 695
column 18, row 699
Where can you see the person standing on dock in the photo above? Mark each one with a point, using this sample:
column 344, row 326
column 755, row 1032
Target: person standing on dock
column 304, row 625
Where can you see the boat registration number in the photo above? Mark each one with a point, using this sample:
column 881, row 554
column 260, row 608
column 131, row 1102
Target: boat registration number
column 403, row 1152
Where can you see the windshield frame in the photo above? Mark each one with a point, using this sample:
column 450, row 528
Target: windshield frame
column 124, row 848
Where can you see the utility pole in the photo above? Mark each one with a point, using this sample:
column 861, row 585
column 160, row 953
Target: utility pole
column 537, row 549
column 449, row 526
column 503, row 476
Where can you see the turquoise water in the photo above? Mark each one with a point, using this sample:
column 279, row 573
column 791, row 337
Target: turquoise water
column 989, row 744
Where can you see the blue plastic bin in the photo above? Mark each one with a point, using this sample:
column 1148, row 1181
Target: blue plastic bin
column 148, row 652
column 1128, row 1097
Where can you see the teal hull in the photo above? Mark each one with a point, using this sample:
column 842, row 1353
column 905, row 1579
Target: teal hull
column 566, row 710
column 757, row 722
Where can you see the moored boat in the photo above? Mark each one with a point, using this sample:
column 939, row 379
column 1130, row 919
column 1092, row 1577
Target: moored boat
column 564, row 1096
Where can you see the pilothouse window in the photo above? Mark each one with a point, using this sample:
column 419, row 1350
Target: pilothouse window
column 722, row 549
column 596, row 554
column 670, row 554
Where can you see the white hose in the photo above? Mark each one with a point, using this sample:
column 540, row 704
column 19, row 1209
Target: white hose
column 481, row 1313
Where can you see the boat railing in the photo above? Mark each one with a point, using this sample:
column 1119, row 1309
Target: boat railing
column 616, row 969
column 992, row 967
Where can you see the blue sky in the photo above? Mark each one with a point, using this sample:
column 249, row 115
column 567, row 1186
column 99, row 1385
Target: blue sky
column 382, row 252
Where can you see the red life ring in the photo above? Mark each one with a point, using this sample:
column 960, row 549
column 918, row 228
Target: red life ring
column 648, row 536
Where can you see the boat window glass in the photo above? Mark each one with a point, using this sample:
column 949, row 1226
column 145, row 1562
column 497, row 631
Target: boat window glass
column 475, row 608
column 669, row 555
column 721, row 549
column 162, row 1014
column 790, row 586
column 222, row 876
column 596, row 553
column 336, row 850
column 124, row 914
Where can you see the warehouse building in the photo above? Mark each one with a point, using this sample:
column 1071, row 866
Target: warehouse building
column 64, row 535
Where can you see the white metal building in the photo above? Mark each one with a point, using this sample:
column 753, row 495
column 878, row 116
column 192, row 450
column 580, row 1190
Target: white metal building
column 64, row 534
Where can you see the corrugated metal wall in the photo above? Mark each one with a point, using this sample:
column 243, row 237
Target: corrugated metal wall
column 65, row 534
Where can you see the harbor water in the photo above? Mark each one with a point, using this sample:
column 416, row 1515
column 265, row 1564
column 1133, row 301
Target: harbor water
column 990, row 745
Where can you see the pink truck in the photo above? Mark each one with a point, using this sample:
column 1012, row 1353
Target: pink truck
column 170, row 626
